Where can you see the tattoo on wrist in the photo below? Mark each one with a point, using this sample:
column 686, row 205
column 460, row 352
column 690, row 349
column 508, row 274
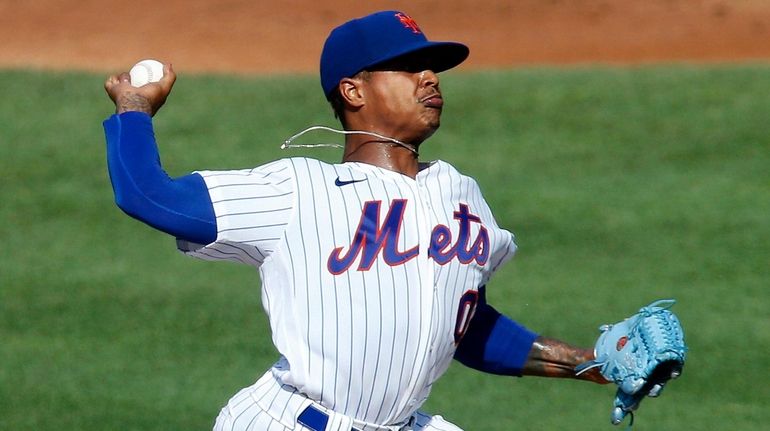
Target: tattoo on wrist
column 133, row 102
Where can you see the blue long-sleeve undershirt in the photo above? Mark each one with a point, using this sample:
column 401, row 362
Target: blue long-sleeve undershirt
column 494, row 343
column 178, row 206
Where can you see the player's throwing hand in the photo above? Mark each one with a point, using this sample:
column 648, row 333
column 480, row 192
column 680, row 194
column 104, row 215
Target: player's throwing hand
column 148, row 98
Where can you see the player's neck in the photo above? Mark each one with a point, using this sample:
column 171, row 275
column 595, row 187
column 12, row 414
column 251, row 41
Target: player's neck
column 386, row 155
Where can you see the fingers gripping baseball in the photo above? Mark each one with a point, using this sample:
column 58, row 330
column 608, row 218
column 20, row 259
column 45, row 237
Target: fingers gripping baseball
column 148, row 98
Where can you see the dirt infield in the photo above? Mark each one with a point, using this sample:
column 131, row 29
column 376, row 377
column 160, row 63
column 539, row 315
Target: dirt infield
column 249, row 36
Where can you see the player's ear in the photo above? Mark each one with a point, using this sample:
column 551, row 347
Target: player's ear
column 352, row 93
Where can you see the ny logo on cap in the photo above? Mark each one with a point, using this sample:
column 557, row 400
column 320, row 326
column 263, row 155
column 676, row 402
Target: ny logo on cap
column 408, row 22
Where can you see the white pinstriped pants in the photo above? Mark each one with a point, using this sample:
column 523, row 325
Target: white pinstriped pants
column 269, row 406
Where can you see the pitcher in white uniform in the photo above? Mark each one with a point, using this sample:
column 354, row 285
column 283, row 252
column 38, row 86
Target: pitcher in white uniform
column 373, row 270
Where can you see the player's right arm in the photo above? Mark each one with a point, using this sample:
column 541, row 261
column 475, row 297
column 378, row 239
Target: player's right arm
column 178, row 206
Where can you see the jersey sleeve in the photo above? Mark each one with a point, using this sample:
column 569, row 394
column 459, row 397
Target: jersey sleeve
column 252, row 209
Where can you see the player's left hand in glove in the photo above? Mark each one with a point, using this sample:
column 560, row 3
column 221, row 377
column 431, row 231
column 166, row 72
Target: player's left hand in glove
column 640, row 355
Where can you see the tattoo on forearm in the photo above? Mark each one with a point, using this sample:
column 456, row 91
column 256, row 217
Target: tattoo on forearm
column 554, row 358
column 133, row 102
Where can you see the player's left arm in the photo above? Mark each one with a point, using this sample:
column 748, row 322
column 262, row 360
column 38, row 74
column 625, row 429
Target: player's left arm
column 640, row 354
column 496, row 344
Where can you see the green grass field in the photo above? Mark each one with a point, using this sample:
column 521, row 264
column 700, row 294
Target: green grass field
column 623, row 185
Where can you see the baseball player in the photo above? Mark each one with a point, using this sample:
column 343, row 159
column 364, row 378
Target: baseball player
column 373, row 270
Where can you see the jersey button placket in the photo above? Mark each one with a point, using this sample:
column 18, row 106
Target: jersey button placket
column 424, row 195
column 428, row 289
column 430, row 218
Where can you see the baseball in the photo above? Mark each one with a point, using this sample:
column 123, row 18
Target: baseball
column 146, row 71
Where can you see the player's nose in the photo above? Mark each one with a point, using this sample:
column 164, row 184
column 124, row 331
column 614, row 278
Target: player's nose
column 429, row 78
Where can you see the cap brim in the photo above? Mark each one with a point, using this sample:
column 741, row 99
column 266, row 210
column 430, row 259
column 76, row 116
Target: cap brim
column 435, row 56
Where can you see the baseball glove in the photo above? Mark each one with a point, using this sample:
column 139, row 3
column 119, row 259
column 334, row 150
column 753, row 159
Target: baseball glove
column 639, row 354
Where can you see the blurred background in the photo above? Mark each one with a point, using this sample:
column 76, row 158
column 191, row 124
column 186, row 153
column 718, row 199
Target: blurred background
column 287, row 35
column 626, row 144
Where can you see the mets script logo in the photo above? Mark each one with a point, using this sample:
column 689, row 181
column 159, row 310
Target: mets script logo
column 408, row 23
column 372, row 239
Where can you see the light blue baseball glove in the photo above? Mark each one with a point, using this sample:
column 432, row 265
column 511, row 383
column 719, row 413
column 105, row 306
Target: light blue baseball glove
column 640, row 355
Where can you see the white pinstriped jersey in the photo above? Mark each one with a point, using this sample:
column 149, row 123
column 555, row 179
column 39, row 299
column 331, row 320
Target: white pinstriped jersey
column 368, row 276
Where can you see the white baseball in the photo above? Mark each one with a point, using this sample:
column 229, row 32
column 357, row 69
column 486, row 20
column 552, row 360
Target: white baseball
column 146, row 71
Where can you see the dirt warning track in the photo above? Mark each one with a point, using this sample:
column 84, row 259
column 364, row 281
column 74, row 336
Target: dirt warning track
column 286, row 36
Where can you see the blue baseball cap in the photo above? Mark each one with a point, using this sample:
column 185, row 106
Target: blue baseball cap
column 369, row 41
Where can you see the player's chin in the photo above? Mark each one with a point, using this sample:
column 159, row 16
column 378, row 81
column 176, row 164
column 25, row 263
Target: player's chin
column 430, row 129
column 432, row 118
